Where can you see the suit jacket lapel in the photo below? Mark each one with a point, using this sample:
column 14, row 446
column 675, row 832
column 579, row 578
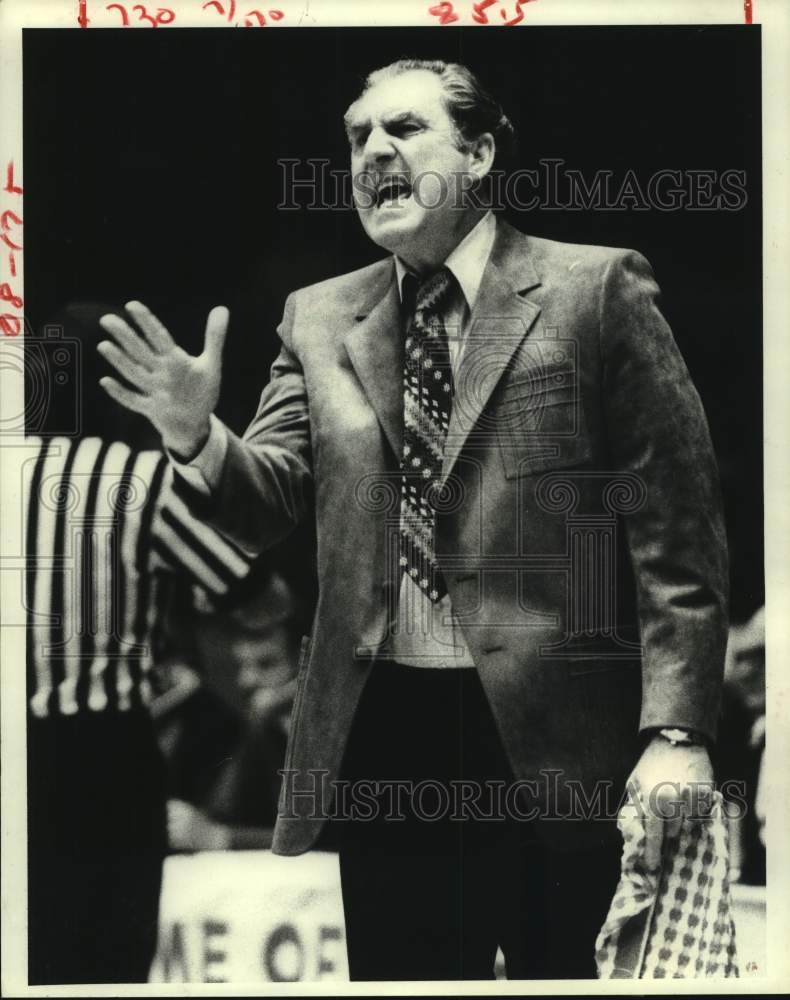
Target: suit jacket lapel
column 501, row 319
column 375, row 347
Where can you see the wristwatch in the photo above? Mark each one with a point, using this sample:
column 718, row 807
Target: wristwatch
column 682, row 737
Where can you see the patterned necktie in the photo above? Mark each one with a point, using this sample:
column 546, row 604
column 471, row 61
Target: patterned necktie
column 427, row 402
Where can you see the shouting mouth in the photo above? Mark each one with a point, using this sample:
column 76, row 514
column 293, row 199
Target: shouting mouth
column 393, row 192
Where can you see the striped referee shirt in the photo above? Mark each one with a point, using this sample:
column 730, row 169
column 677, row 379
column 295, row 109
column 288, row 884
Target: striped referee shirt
column 104, row 525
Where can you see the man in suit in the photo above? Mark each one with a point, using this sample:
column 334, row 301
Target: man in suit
column 521, row 556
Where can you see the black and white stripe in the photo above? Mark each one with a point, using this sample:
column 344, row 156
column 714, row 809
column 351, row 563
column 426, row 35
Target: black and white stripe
column 103, row 523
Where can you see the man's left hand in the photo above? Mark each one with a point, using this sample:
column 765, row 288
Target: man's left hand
column 673, row 782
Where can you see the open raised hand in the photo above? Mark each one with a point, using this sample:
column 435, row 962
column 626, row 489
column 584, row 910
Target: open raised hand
column 174, row 390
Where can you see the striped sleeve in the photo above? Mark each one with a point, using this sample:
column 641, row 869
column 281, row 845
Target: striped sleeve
column 182, row 543
column 101, row 519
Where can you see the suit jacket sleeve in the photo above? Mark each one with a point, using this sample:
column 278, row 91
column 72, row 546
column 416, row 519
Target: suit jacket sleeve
column 657, row 430
column 266, row 484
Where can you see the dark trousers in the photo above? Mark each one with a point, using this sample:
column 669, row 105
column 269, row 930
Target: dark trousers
column 96, row 844
column 432, row 898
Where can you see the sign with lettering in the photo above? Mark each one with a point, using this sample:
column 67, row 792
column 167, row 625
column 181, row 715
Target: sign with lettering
column 250, row 916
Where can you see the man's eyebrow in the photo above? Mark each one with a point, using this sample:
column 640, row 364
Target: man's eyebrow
column 402, row 116
column 405, row 116
column 356, row 126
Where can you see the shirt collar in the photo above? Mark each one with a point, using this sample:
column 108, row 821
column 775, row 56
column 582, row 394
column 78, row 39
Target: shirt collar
column 467, row 261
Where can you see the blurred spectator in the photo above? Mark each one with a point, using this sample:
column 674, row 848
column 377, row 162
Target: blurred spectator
column 745, row 668
column 742, row 741
column 225, row 737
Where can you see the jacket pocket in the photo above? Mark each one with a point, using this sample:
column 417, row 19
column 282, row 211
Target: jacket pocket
column 540, row 425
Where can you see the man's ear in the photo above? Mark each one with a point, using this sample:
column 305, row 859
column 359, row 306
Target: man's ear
column 482, row 154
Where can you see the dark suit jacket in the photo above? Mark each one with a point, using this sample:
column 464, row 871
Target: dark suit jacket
column 582, row 540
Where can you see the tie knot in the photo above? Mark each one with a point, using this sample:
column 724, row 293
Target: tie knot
column 426, row 297
column 433, row 291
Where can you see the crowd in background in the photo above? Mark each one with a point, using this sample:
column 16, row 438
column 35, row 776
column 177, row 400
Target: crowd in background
column 228, row 678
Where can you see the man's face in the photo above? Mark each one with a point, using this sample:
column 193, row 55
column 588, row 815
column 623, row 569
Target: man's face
column 407, row 167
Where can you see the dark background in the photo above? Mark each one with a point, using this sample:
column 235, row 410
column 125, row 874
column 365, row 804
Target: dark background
column 151, row 173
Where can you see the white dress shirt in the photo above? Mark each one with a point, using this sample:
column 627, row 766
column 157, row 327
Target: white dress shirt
column 425, row 634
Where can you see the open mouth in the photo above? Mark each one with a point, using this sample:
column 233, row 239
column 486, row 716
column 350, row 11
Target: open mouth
column 392, row 191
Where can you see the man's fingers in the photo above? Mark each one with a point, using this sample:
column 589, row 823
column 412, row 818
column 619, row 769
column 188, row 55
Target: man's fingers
column 672, row 826
column 654, row 840
column 155, row 333
column 216, row 329
column 131, row 342
column 700, row 796
column 131, row 400
column 138, row 376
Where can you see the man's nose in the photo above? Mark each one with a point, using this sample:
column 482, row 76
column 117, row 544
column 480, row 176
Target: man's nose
column 379, row 146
